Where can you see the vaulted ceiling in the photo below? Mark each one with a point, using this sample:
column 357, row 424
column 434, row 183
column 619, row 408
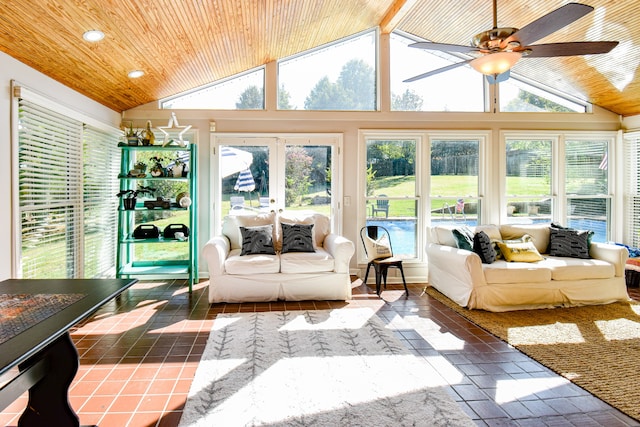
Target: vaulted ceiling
column 183, row 44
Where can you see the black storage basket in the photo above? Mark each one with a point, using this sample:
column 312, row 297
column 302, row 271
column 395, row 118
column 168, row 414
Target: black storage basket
column 146, row 231
column 171, row 230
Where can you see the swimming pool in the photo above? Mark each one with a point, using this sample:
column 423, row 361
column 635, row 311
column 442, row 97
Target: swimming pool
column 403, row 231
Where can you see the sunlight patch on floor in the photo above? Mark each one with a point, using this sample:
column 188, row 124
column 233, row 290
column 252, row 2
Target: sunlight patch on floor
column 557, row 333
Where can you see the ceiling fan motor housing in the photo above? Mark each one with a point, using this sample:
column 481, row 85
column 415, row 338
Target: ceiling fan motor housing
column 491, row 40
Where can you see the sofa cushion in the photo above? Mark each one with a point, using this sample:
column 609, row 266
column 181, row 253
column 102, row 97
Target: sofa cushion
column 251, row 264
column 257, row 240
column 491, row 230
column 443, row 235
column 516, row 272
column 483, row 246
column 538, row 232
column 564, row 268
column 319, row 261
column 232, row 223
column 297, row 237
column 567, row 242
column 519, row 252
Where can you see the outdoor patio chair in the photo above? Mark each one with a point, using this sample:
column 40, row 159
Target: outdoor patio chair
column 377, row 247
column 237, row 202
column 264, row 203
column 381, row 206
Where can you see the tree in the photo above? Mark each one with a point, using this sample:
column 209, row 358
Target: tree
column 297, row 171
column 408, row 101
column 284, row 99
column 251, row 99
column 324, row 96
column 354, row 89
column 527, row 101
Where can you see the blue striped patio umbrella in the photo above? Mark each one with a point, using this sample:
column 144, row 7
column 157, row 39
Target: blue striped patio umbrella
column 245, row 181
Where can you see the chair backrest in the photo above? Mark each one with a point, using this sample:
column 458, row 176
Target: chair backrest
column 376, row 241
column 236, row 201
column 382, row 203
column 264, row 202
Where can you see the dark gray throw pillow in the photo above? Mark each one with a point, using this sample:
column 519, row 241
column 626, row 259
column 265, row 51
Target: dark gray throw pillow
column 568, row 242
column 257, row 240
column 297, row 238
column 483, row 246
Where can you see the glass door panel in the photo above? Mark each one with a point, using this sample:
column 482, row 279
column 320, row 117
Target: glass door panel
column 244, row 179
column 307, row 178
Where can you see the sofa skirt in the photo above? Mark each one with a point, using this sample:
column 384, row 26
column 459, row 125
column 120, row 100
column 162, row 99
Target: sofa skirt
column 237, row 288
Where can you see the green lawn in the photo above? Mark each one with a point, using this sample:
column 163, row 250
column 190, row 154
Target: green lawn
column 450, row 188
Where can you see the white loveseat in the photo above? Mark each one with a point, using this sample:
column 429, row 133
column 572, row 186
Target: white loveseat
column 293, row 276
column 502, row 286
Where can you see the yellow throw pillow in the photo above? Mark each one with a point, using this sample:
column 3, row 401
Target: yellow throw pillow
column 519, row 252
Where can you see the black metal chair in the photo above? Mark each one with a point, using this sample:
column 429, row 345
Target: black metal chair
column 377, row 246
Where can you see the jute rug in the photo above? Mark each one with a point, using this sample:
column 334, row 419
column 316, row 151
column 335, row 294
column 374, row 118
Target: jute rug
column 314, row 368
column 596, row 347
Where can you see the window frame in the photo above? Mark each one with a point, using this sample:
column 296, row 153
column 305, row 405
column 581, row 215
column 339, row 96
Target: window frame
column 558, row 194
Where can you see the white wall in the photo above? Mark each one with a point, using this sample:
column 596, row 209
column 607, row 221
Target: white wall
column 10, row 69
column 348, row 123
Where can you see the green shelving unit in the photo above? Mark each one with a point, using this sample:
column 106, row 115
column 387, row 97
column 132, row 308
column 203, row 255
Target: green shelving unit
column 160, row 257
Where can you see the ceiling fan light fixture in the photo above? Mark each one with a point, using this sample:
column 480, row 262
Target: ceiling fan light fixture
column 495, row 63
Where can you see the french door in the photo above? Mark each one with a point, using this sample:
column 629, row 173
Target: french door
column 252, row 173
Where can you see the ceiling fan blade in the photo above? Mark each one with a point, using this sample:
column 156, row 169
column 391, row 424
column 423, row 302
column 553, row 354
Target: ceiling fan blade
column 569, row 49
column 437, row 71
column 444, row 47
column 550, row 23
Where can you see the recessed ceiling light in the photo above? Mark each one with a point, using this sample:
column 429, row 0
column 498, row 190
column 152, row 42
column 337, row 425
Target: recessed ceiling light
column 135, row 74
column 93, row 35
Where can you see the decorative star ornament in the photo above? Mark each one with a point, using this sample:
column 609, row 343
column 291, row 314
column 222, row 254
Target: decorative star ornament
column 174, row 125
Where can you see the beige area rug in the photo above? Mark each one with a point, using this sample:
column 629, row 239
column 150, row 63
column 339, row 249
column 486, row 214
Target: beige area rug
column 595, row 347
column 338, row 367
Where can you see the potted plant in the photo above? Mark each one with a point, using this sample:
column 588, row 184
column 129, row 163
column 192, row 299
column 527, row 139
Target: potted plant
column 130, row 197
column 133, row 137
column 178, row 168
column 157, row 169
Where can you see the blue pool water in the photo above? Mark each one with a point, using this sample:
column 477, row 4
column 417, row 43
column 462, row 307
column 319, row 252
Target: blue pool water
column 403, row 232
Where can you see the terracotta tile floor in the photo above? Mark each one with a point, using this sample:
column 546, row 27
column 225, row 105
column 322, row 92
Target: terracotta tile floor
column 138, row 355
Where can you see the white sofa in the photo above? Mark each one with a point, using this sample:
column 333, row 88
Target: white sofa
column 502, row 286
column 293, row 276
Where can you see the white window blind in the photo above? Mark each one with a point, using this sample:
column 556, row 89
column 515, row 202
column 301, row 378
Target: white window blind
column 60, row 214
column 632, row 190
column 100, row 184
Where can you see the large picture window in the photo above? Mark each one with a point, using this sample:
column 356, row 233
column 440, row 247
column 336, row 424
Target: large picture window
column 561, row 178
column 67, row 181
column 453, row 192
column 244, row 91
column 339, row 76
column 391, row 198
column 460, row 89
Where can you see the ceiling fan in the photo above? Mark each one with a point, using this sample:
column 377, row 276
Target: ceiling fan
column 495, row 51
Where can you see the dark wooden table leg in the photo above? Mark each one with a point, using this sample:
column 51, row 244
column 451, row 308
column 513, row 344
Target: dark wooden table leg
column 49, row 398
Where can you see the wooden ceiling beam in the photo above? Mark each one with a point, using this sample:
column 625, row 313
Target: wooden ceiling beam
column 395, row 14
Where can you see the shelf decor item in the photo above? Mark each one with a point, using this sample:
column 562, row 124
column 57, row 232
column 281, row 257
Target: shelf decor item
column 130, row 197
column 147, row 137
column 174, row 125
column 132, row 136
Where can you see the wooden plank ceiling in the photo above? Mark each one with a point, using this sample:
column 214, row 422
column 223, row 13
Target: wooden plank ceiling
column 183, row 44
